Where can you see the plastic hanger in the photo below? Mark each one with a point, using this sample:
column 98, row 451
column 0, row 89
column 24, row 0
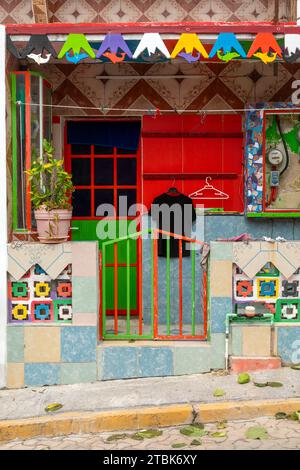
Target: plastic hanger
column 209, row 192
column 173, row 191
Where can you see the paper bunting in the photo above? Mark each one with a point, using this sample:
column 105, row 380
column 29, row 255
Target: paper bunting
column 186, row 45
column 291, row 47
column 37, row 44
column 151, row 42
column 12, row 48
column 76, row 43
column 110, row 46
column 267, row 44
column 223, row 47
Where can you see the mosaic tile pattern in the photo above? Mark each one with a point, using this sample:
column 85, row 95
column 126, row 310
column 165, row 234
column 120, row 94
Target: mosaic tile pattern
column 254, row 153
column 276, row 294
column 38, row 298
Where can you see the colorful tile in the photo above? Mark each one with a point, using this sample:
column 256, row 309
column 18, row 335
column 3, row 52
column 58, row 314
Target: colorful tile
column 85, row 294
column 63, row 310
column 20, row 312
column 41, row 311
column 15, row 375
column 119, row 363
column 155, row 362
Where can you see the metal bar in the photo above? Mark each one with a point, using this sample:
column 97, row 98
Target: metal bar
column 116, row 288
column 180, row 287
column 140, row 285
column 193, row 291
column 100, row 290
column 193, row 135
column 128, row 286
column 155, row 287
column 28, row 148
column 159, row 27
column 188, row 176
column 103, row 292
column 205, row 304
column 168, row 287
column 14, row 151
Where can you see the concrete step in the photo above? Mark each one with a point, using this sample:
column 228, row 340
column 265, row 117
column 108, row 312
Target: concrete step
column 244, row 364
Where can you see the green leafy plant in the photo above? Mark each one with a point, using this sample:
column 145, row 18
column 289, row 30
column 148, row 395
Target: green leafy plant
column 51, row 185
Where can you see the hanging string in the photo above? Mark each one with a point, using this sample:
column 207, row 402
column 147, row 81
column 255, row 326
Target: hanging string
column 202, row 112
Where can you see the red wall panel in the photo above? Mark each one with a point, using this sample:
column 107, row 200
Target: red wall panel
column 184, row 150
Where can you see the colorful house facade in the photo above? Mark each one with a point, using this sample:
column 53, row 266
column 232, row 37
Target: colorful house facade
column 145, row 102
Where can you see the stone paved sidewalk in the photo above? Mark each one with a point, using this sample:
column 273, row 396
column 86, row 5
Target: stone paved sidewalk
column 283, row 434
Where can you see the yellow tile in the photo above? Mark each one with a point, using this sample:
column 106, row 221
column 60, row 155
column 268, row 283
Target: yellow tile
column 42, row 344
column 256, row 341
column 15, row 375
column 221, row 278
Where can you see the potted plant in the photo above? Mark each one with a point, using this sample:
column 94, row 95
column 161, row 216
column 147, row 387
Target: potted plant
column 51, row 190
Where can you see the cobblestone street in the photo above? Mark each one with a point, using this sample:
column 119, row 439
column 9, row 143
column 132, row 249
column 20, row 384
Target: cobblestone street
column 282, row 434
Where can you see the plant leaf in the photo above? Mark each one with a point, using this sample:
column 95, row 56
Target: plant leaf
column 260, row 384
column 149, row 433
column 275, row 384
column 281, row 415
column 219, row 392
column 193, row 431
column 218, row 434
column 178, row 445
column 222, row 425
column 243, row 378
column 53, row 407
column 116, row 437
column 196, row 442
column 257, row 432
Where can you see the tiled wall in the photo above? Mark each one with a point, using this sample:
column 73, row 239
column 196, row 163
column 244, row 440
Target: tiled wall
column 108, row 11
column 40, row 354
column 215, row 86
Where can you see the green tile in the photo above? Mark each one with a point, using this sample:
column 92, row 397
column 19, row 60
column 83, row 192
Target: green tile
column 15, row 344
column 85, row 294
column 191, row 360
column 217, row 342
column 78, row 372
column 221, row 250
column 99, row 361
column 237, row 341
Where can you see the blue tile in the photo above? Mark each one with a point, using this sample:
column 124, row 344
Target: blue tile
column 219, row 307
column 289, row 344
column 78, row 343
column 39, row 374
column 119, row 363
column 156, row 362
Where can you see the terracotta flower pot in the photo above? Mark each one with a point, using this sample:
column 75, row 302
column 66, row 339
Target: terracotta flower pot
column 53, row 226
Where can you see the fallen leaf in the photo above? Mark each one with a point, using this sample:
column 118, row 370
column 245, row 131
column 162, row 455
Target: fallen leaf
column 53, row 407
column 243, row 378
column 274, row 384
column 219, row 434
column 222, row 425
column 116, row 437
column 257, row 432
column 296, row 367
column 178, row 445
column 136, row 437
column 219, row 392
column 195, row 442
column 293, row 416
column 149, row 433
column 260, row 384
column 281, row 415
column 193, row 431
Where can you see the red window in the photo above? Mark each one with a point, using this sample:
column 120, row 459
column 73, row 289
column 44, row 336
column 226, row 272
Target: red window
column 194, row 153
column 101, row 175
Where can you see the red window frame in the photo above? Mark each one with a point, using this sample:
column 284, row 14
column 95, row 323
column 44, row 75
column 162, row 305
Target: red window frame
column 115, row 187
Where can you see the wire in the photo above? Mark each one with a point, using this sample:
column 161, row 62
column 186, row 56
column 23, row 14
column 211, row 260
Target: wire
column 153, row 111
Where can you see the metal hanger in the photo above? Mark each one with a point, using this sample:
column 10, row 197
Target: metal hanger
column 208, row 192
